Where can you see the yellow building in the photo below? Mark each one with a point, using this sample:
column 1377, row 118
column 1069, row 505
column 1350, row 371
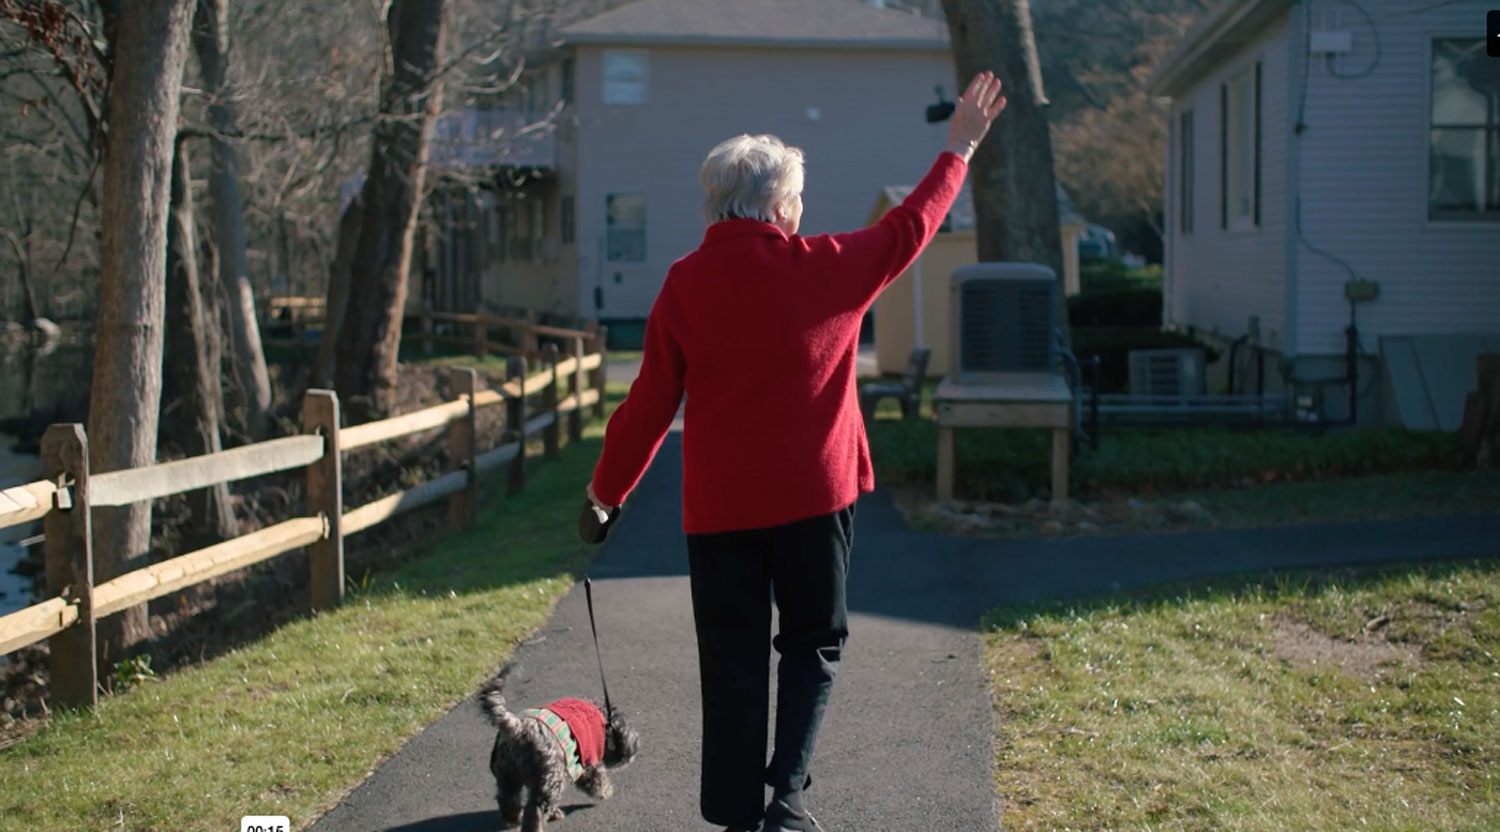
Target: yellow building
column 914, row 310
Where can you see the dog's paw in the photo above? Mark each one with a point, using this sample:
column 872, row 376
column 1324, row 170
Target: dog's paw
column 555, row 814
column 512, row 816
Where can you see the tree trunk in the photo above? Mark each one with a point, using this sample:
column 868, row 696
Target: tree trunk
column 411, row 96
column 338, row 291
column 1015, row 189
column 150, row 49
column 248, row 358
column 192, row 363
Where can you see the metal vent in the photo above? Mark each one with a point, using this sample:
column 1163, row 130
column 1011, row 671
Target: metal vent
column 1175, row 373
column 1003, row 321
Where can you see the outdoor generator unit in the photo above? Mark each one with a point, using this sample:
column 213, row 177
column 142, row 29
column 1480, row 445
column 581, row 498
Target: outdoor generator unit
column 1002, row 323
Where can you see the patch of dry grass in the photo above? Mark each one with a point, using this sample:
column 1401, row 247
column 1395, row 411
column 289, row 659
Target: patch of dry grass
column 1355, row 701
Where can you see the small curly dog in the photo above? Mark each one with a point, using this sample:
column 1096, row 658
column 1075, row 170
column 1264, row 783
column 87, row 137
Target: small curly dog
column 540, row 750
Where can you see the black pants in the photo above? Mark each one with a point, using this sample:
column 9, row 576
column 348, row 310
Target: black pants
column 735, row 576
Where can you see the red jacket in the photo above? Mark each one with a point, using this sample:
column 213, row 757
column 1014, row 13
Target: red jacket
column 761, row 331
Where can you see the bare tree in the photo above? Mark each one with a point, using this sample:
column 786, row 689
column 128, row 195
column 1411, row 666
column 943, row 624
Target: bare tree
column 191, row 370
column 150, row 47
column 410, row 100
column 1015, row 192
column 253, row 387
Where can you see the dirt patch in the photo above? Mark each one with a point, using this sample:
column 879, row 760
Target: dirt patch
column 1363, row 657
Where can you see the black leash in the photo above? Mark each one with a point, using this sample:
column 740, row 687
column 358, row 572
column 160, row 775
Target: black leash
column 588, row 592
column 593, row 531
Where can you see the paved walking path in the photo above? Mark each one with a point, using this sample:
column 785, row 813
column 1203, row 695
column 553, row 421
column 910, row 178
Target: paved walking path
column 907, row 743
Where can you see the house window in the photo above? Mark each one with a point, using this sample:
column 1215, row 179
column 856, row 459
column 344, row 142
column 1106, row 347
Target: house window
column 625, row 77
column 527, row 229
column 569, row 230
column 1240, row 166
column 1463, row 132
column 625, row 227
column 1185, row 172
column 567, row 80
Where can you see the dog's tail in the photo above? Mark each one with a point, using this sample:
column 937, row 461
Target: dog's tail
column 492, row 700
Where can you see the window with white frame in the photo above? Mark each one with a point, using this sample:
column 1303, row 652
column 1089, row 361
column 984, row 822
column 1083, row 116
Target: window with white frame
column 1463, row 132
column 1239, row 100
column 625, row 228
column 1185, row 172
column 625, row 77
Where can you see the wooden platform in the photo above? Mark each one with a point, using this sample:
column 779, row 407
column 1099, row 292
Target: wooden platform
column 1028, row 402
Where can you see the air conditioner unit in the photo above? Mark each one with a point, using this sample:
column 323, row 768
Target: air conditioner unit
column 1002, row 323
column 1177, row 373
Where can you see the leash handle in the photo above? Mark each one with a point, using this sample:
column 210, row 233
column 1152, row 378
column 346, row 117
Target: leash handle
column 588, row 593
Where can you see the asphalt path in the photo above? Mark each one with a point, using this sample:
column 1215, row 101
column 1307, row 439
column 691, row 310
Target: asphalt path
column 907, row 744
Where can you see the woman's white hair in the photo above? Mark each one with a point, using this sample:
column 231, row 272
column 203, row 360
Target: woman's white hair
column 749, row 177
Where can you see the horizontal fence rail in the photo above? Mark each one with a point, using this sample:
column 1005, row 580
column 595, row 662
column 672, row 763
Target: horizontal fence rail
column 25, row 503
column 565, row 387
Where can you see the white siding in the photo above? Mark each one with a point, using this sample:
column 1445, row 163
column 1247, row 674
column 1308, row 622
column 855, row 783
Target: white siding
column 1218, row 278
column 1364, row 165
column 869, row 133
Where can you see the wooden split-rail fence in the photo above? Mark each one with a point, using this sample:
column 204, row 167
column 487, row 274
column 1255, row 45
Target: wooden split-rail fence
column 561, row 392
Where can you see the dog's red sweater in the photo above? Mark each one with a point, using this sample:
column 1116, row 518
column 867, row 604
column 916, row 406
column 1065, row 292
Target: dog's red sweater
column 587, row 724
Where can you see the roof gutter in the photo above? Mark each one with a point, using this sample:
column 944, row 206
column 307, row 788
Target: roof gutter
column 1200, row 47
column 903, row 44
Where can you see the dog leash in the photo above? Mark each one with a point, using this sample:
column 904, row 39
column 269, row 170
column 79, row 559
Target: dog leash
column 593, row 528
column 588, row 593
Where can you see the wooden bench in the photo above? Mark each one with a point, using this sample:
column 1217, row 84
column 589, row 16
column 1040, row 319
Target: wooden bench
column 1042, row 402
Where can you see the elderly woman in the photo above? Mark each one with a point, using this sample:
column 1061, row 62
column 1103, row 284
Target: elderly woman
column 760, row 328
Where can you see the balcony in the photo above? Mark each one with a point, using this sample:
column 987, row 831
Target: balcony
column 492, row 138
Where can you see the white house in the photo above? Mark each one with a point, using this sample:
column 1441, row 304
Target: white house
column 611, row 197
column 1335, row 165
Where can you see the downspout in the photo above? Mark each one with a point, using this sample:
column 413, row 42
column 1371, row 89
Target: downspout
column 1296, row 90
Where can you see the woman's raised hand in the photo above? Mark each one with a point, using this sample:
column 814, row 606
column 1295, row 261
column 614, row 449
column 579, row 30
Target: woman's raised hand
column 973, row 114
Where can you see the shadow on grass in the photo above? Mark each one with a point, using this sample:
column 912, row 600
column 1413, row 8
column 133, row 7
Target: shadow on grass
column 1267, row 586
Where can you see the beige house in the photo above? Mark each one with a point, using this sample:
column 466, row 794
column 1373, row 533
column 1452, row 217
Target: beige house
column 590, row 215
column 915, row 310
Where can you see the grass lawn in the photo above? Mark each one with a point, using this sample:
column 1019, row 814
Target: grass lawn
column 289, row 724
column 1352, row 700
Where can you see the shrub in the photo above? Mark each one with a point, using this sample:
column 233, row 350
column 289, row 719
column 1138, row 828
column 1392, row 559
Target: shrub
column 1014, row 466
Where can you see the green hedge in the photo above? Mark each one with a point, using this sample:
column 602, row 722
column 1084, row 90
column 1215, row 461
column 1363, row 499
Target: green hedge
column 1014, row 466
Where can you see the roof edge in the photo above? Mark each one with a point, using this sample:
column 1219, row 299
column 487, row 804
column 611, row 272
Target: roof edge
column 599, row 39
column 1192, row 55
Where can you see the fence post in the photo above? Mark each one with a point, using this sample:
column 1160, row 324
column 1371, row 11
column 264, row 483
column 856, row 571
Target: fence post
column 70, row 564
column 481, row 335
column 575, row 388
column 325, row 497
column 461, row 448
column 515, row 423
column 600, row 375
column 553, row 434
column 425, row 332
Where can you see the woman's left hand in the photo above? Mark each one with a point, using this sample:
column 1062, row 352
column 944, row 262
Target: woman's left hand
column 596, row 501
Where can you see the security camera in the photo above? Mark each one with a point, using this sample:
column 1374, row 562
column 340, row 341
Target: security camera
column 940, row 111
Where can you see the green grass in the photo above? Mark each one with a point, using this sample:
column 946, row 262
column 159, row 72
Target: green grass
column 1202, row 708
column 287, row 725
